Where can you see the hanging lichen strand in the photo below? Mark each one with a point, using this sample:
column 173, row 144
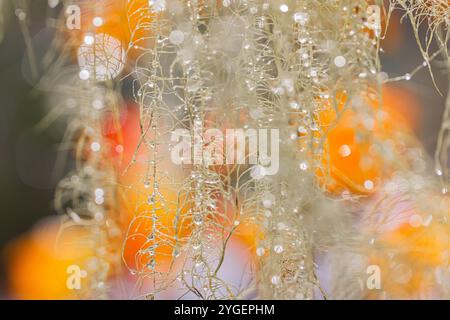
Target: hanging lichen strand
column 300, row 66
column 240, row 112
column 252, row 65
column 87, row 195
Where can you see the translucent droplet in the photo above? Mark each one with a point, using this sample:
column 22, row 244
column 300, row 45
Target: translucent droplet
column 22, row 15
column 95, row 146
column 340, row 61
column 368, row 184
column 345, row 150
column 260, row 251
column 97, row 104
column 278, row 249
column 303, row 166
column 176, row 37
column 99, row 192
column 84, row 74
column 302, row 130
column 284, row 8
column 53, row 3
column 301, row 17
column 268, row 200
column 89, row 39
column 97, row 21
column 157, row 5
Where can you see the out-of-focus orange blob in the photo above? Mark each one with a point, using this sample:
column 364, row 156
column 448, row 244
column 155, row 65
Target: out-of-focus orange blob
column 123, row 137
column 122, row 19
column 139, row 203
column 249, row 234
column 412, row 245
column 139, row 246
column 352, row 159
column 419, row 251
column 425, row 246
column 38, row 263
